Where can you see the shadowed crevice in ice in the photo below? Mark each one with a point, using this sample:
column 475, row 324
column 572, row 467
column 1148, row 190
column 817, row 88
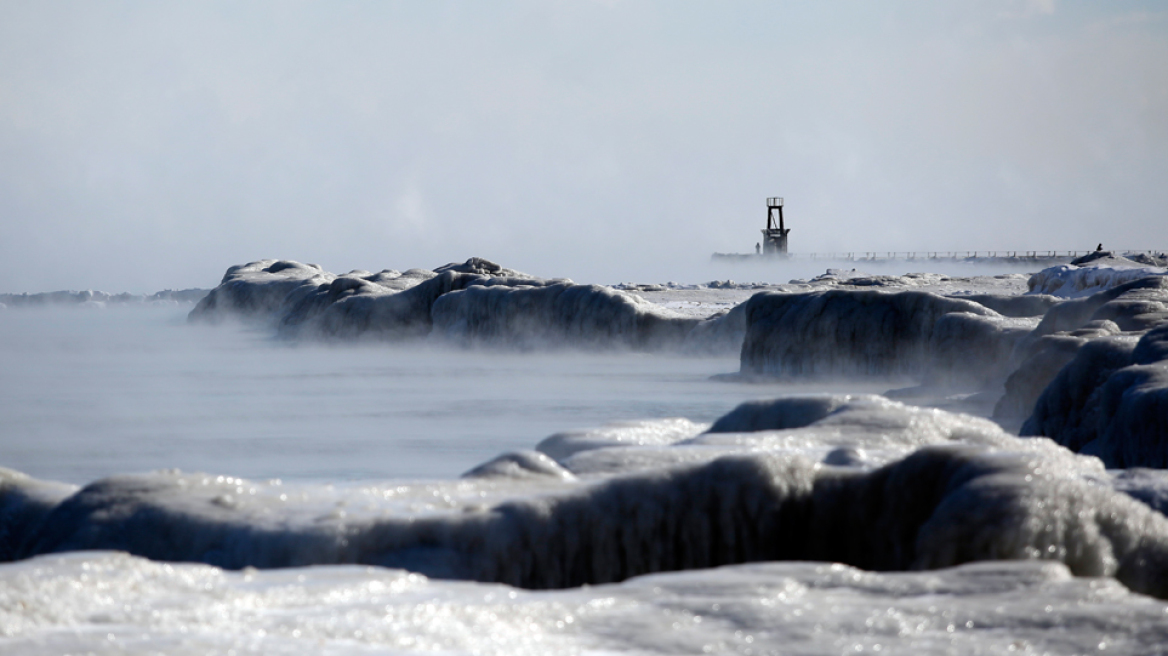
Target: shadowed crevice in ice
column 975, row 494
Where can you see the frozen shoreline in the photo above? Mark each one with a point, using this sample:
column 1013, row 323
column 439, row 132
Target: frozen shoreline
column 852, row 479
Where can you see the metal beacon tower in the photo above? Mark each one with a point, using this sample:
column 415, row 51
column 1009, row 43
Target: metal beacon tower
column 774, row 236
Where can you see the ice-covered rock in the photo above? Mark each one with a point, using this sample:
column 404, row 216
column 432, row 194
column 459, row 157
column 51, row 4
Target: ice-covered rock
column 519, row 465
column 778, row 414
column 1123, row 258
column 483, row 267
column 1139, row 304
column 1133, row 417
column 24, row 504
column 1026, row 305
column 965, row 491
column 845, row 332
column 363, row 309
column 973, row 350
column 257, row 290
column 553, row 315
column 305, row 304
column 1111, row 400
column 659, row 432
column 1040, row 360
column 1089, row 276
column 1131, row 308
column 476, row 302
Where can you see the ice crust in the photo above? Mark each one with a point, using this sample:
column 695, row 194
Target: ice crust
column 929, row 490
column 112, row 603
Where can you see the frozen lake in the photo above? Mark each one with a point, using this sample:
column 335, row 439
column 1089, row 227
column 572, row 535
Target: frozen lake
column 91, row 393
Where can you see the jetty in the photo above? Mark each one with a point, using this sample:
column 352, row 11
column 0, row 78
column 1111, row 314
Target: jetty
column 774, row 246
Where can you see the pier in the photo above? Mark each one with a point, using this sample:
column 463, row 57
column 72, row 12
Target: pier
column 1020, row 257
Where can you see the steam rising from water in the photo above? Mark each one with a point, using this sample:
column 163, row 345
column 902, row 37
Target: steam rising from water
column 93, row 393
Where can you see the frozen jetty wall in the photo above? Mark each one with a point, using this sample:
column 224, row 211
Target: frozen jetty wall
column 1072, row 375
column 1111, row 400
column 561, row 313
column 844, row 332
column 474, row 303
column 972, row 493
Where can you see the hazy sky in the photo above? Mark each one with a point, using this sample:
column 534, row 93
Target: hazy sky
column 149, row 145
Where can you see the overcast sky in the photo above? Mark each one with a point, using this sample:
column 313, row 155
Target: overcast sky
column 150, row 145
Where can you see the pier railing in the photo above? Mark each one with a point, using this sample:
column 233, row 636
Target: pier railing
column 938, row 255
column 868, row 256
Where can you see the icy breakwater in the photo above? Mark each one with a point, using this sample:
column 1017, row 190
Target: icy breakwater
column 477, row 302
column 1081, row 358
column 857, row 480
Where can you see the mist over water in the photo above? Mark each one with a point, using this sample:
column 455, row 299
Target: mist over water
column 89, row 394
column 779, row 271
